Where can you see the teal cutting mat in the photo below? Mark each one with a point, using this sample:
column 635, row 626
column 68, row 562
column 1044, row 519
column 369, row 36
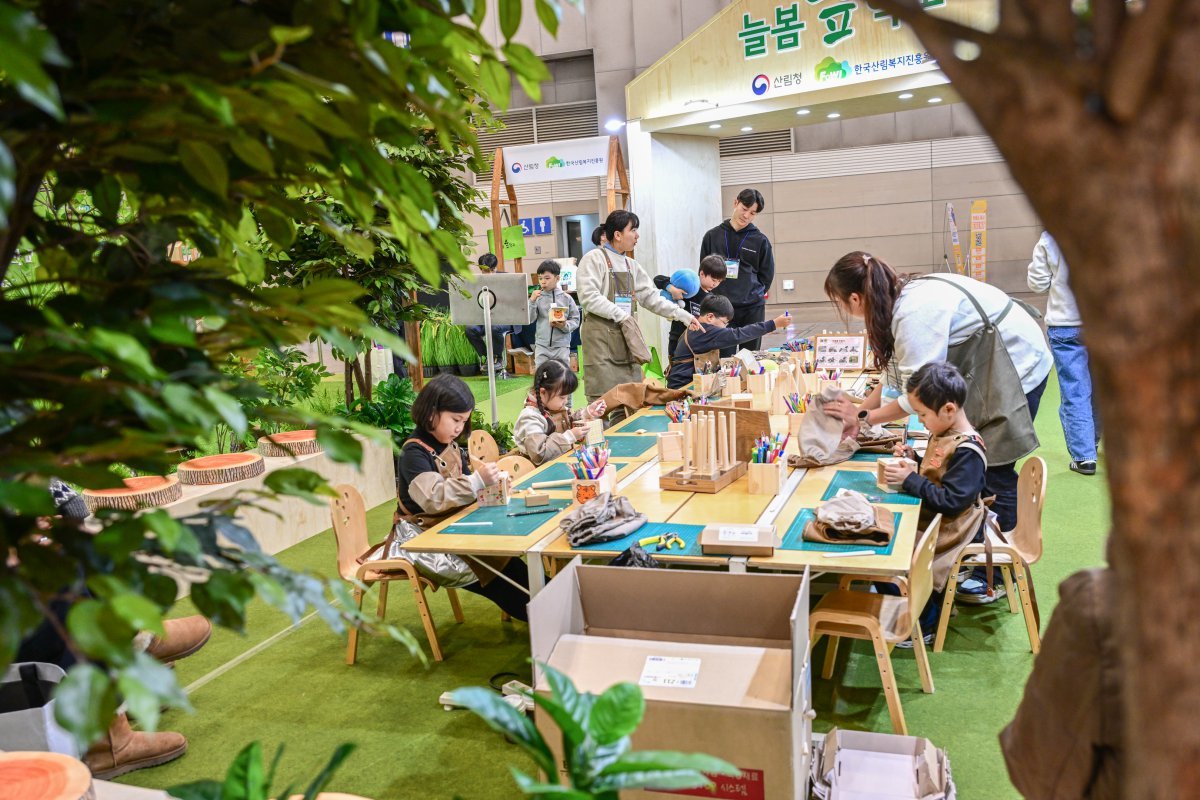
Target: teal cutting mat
column 554, row 472
column 502, row 524
column 865, row 482
column 629, row 446
column 860, row 456
column 689, row 533
column 652, row 423
column 793, row 539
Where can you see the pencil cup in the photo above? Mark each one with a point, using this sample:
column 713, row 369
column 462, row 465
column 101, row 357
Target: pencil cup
column 584, row 490
column 767, row 478
column 670, row 446
column 558, row 313
column 675, row 427
column 707, row 384
column 794, row 423
column 758, row 384
column 733, row 385
column 743, row 400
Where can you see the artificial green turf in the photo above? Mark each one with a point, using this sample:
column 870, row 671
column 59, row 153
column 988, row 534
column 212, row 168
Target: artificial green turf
column 299, row 692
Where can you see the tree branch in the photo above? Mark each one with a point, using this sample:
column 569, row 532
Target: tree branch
column 1140, row 48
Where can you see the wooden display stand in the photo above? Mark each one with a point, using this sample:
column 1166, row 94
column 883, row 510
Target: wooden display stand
column 222, row 468
column 743, row 400
column 768, row 478
column 144, row 491
column 585, row 489
column 709, row 455
column 288, row 444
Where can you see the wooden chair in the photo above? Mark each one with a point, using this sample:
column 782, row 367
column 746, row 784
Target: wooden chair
column 884, row 620
column 483, row 447
column 517, row 467
column 1012, row 557
column 350, row 530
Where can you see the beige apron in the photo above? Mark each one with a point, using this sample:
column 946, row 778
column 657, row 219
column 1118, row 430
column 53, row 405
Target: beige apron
column 956, row 532
column 708, row 361
column 606, row 358
column 449, row 469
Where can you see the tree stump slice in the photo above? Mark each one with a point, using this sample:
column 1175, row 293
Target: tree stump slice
column 44, row 776
column 288, row 444
column 143, row 491
column 222, row 468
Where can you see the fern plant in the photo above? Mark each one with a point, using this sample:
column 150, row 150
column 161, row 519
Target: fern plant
column 597, row 750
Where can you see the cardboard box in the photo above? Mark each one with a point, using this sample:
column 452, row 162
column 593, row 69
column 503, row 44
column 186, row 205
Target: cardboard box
column 883, row 464
column 721, row 658
column 739, row 540
column 522, row 361
column 857, row 765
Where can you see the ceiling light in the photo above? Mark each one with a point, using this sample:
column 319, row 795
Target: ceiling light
column 714, row 126
column 803, row 112
column 935, row 100
column 905, row 96
column 747, row 129
column 614, row 125
column 834, row 115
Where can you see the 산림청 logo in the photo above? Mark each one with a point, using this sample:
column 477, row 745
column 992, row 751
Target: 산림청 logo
column 760, row 84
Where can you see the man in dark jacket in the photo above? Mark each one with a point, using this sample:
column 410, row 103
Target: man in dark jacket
column 749, row 261
column 715, row 313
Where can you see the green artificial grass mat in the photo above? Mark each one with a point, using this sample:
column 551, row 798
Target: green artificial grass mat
column 297, row 690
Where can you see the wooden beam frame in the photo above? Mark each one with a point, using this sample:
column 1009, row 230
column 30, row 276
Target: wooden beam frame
column 499, row 180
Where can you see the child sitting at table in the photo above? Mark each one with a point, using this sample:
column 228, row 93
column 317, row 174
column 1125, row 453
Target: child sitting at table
column 546, row 428
column 715, row 313
column 950, row 476
column 435, row 480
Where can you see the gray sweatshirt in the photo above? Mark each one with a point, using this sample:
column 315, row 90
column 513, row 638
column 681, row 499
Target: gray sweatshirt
column 546, row 334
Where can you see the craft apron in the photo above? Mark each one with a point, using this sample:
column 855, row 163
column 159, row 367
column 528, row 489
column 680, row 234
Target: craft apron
column 606, row 358
column 556, row 421
column 710, row 359
column 955, row 532
column 996, row 403
column 448, row 469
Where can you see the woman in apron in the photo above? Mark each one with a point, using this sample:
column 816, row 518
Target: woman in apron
column 992, row 339
column 611, row 286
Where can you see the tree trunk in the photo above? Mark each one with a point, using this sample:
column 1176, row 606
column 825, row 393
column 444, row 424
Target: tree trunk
column 1098, row 118
column 358, row 376
column 348, row 382
column 412, row 335
column 368, row 381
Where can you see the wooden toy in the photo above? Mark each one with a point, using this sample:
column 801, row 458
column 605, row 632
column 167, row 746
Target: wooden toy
column 585, row 489
column 534, row 499
column 144, row 491
column 558, row 313
column 767, row 478
column 794, row 423
column 482, row 446
column 760, row 384
column 785, row 385
column 496, row 494
column 708, row 384
column 709, row 455
column 595, row 431
column 733, row 385
column 743, row 400
column 670, row 445
column 881, row 481
column 289, row 444
column 222, row 468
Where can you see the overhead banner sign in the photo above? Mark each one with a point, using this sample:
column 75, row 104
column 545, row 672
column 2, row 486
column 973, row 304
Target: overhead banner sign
column 760, row 50
column 979, row 240
column 557, row 161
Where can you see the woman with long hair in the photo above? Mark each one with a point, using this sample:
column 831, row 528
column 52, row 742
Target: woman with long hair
column 991, row 338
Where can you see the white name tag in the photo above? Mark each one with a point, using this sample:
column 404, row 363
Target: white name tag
column 731, row 269
column 737, row 535
column 625, row 303
column 676, row 673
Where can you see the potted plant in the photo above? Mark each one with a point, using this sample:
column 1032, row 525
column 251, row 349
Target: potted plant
column 462, row 354
column 597, row 751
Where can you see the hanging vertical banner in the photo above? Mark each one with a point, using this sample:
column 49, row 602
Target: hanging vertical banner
column 979, row 240
column 959, row 267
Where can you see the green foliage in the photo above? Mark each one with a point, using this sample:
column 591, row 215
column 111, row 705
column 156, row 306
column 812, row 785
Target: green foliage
column 443, row 343
column 249, row 778
column 389, row 408
column 128, row 127
column 502, row 432
column 596, row 746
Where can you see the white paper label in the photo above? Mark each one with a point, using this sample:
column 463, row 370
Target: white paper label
column 677, row 673
column 737, row 535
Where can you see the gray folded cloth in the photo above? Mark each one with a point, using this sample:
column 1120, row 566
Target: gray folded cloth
column 821, row 440
column 602, row 519
column 850, row 512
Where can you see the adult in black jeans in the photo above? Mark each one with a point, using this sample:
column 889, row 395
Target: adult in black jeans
column 475, row 333
column 749, row 262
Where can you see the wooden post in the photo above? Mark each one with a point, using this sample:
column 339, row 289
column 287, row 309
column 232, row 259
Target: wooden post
column 500, row 180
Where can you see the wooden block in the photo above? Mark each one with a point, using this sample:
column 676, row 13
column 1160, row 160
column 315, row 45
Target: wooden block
column 595, row 431
column 534, row 499
column 881, row 481
column 767, row 478
column 670, row 446
column 708, row 384
column 750, row 426
column 675, row 480
column 733, row 385
column 584, row 490
column 759, row 384
column 558, row 313
column 794, row 423
column 494, row 495
column 675, row 427
column 743, row 400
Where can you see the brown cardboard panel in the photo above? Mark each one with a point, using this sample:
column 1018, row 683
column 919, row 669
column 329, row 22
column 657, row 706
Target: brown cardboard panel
column 683, row 602
column 696, row 638
column 738, row 677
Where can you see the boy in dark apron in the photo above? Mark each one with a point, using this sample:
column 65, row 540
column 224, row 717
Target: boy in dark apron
column 697, row 349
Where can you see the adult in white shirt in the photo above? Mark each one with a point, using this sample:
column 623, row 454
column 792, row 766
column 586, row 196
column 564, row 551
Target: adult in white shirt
column 1076, row 408
column 912, row 322
column 611, row 286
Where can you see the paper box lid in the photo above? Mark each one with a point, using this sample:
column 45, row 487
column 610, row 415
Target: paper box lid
column 739, row 540
column 880, row 765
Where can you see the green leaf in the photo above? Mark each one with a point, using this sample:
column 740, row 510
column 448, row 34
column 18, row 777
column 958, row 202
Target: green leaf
column 323, row 777
column 223, row 598
column 206, row 166
column 212, row 101
column 85, row 703
column 616, row 713
column 245, row 779
column 551, row 791
column 27, row 45
column 26, row 499
column 146, row 685
column 279, row 227
column 669, row 760
column 510, row 18
column 550, row 15
column 99, row 632
column 496, row 83
column 198, row 790
column 172, row 534
column 301, row 483
column 186, row 402
column 569, row 702
column 107, row 196
column 651, row 779
column 253, row 153
column 283, row 34
column 505, row 719
column 526, row 62
column 140, row 613
column 340, row 445
column 229, row 409
column 125, row 348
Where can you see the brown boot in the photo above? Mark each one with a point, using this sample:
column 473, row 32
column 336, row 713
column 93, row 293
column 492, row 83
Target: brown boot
column 124, row 750
column 181, row 637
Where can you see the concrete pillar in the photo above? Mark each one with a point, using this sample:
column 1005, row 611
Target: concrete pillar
column 676, row 186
